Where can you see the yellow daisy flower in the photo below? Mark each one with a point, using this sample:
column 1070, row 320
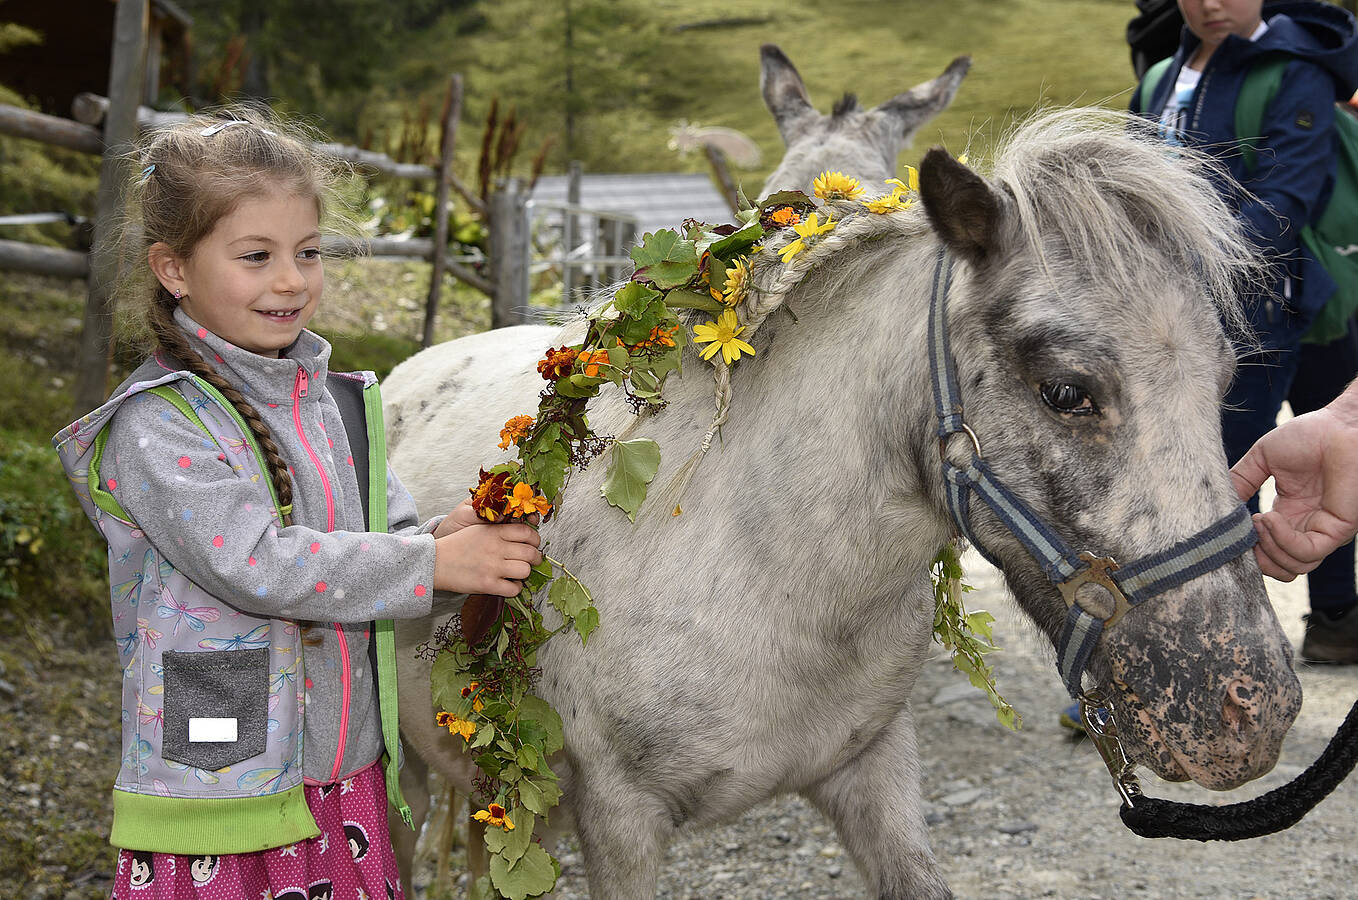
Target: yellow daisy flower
column 735, row 282
column 809, row 233
column 892, row 202
column 722, row 334
column 836, row 186
column 494, row 814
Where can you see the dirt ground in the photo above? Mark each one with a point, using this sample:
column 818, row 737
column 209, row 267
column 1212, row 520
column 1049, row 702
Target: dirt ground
column 1026, row 814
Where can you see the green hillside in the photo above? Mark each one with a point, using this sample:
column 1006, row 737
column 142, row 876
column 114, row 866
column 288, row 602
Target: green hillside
column 639, row 73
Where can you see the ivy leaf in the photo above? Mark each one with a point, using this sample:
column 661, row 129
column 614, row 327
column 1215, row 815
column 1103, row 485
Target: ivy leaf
column 796, row 199
column 532, row 875
column 737, row 244
column 631, row 467
column 665, row 259
column 484, row 736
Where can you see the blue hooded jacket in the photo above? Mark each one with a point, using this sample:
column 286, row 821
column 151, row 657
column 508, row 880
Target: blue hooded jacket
column 1295, row 173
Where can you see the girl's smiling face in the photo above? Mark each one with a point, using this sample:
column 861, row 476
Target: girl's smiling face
column 256, row 279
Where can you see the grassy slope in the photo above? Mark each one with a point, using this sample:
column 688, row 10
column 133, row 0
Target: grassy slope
column 1023, row 50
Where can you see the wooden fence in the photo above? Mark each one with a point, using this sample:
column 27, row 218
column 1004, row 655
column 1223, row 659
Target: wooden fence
column 592, row 242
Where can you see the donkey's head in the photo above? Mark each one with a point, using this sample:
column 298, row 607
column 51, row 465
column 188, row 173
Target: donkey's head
column 1091, row 278
column 862, row 143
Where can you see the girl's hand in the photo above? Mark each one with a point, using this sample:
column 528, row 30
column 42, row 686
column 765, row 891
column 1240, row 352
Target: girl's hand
column 461, row 516
column 485, row 559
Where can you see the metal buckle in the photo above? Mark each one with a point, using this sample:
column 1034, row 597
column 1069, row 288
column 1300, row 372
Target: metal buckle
column 966, row 429
column 1098, row 573
column 1097, row 716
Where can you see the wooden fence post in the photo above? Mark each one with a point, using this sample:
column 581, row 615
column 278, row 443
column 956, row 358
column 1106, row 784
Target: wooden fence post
column 509, row 253
column 452, row 111
column 570, row 234
column 125, row 82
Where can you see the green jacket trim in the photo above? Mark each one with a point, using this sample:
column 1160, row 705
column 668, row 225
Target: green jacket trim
column 196, row 826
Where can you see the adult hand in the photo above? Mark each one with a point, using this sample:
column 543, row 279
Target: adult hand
column 1313, row 460
column 486, row 559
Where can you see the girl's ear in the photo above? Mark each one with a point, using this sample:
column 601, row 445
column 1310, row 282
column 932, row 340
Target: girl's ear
column 167, row 267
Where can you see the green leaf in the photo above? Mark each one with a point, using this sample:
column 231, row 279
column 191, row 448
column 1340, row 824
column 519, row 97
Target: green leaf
column 484, row 736
column 547, row 469
column 539, row 795
column 586, row 622
column 795, row 199
column 447, row 679
column 665, row 259
column 568, row 596
column 737, row 244
column 535, row 709
column 631, row 467
column 530, row 876
column 528, row 758
column 634, row 299
column 693, row 300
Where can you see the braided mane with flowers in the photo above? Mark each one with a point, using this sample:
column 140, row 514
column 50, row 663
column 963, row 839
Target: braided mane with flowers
column 485, row 669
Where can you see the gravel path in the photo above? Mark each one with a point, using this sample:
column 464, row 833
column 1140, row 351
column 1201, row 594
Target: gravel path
column 1034, row 813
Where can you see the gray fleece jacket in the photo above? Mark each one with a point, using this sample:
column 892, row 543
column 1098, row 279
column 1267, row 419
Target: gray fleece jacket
column 203, row 572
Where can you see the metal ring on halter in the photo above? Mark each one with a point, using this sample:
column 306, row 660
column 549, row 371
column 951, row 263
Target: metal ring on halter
column 975, row 441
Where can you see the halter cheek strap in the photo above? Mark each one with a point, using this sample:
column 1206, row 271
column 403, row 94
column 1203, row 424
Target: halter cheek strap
column 1129, row 585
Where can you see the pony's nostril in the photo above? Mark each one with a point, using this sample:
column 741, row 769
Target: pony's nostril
column 1241, row 706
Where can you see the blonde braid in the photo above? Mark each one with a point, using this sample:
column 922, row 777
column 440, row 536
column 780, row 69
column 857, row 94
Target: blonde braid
column 171, row 339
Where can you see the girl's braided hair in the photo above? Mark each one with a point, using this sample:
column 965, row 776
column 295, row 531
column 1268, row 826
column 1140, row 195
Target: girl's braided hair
column 191, row 175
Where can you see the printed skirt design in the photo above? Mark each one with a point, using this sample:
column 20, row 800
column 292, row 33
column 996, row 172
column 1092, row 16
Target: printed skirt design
column 351, row 859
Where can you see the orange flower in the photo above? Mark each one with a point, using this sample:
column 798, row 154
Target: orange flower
column 591, row 360
column 659, row 337
column 456, row 725
column 515, row 430
column 785, row 216
column 557, row 363
column 488, row 497
column 494, row 814
column 471, row 691
column 525, row 501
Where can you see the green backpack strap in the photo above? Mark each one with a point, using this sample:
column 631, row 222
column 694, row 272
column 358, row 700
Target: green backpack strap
column 361, row 411
column 1256, row 93
column 1150, row 81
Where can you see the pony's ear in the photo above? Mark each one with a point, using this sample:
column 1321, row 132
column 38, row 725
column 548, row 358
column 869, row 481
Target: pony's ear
column 962, row 206
column 783, row 91
column 910, row 110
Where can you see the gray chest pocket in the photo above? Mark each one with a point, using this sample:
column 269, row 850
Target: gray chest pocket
column 216, row 707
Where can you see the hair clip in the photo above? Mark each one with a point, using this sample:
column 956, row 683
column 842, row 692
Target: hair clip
column 146, row 174
column 214, row 128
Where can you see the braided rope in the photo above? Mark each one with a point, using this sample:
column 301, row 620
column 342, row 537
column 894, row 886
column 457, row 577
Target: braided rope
column 1279, row 809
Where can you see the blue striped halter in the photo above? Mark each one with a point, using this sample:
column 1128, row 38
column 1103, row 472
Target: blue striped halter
column 1128, row 585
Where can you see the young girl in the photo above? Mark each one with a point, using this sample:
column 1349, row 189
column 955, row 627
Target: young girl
column 251, row 600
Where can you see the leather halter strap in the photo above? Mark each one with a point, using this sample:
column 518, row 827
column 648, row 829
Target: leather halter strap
column 1128, row 585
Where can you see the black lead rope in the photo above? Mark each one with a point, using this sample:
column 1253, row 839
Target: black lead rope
column 1279, row 809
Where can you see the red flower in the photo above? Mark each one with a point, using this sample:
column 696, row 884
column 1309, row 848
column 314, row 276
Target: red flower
column 557, row 363
column 488, row 497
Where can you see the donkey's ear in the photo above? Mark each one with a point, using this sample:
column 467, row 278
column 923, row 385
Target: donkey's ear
column 921, row 103
column 783, row 91
column 962, row 206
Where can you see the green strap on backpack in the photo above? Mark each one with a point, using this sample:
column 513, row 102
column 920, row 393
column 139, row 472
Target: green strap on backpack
column 1333, row 239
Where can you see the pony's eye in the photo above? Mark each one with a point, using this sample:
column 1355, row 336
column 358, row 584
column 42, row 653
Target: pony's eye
column 1067, row 398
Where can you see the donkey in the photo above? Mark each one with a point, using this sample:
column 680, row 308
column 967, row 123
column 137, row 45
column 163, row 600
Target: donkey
column 858, row 142
column 767, row 639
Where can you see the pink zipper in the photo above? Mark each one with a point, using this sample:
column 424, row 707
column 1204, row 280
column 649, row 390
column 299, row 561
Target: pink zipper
column 299, row 391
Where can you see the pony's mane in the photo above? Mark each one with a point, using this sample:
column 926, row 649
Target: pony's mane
column 844, row 105
column 1095, row 183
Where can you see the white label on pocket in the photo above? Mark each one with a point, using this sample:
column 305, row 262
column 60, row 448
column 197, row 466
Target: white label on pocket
column 212, row 731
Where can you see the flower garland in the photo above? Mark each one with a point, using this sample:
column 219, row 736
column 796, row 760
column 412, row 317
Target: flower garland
column 485, row 660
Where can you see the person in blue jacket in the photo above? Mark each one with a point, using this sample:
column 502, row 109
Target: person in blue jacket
column 1193, row 105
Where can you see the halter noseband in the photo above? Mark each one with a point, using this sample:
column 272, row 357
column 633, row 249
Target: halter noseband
column 1128, row 585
